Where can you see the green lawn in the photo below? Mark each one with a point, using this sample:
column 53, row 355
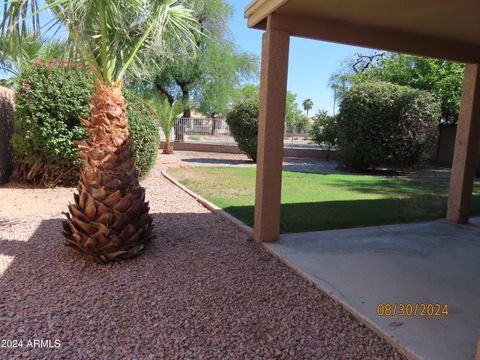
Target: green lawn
column 318, row 202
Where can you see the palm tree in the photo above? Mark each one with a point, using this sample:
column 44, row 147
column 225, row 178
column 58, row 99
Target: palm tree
column 18, row 51
column 109, row 218
column 307, row 105
column 168, row 113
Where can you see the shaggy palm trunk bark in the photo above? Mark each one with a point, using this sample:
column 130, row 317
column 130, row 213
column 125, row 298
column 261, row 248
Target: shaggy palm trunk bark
column 109, row 218
column 168, row 147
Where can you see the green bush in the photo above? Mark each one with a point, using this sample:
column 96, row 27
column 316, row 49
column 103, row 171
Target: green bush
column 324, row 129
column 243, row 123
column 50, row 99
column 144, row 131
column 381, row 124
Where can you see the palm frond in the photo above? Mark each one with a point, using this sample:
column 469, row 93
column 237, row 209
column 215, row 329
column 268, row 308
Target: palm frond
column 110, row 33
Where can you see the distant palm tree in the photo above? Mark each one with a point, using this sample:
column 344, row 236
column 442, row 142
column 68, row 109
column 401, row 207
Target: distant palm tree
column 307, row 105
column 168, row 114
column 110, row 218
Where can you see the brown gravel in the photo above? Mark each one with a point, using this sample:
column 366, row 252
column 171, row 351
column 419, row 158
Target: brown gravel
column 200, row 291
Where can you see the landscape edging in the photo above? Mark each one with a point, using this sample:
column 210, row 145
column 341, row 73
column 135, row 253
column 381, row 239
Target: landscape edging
column 210, row 206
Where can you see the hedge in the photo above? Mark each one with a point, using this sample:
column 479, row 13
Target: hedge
column 386, row 125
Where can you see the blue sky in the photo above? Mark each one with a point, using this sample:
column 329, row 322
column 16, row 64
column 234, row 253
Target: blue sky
column 311, row 62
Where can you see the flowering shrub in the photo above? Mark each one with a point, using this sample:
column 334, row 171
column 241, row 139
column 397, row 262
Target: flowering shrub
column 51, row 97
column 382, row 124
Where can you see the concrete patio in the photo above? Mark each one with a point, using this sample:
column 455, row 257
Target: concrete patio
column 434, row 262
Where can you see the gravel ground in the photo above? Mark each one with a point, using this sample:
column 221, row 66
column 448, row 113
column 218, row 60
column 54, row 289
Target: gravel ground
column 199, row 291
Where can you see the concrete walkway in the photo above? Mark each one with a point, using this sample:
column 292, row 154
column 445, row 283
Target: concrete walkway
column 312, row 165
column 434, row 262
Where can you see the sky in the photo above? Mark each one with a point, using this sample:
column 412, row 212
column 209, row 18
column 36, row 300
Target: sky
column 310, row 62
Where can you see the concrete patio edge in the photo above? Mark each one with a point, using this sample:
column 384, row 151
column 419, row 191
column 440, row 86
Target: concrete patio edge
column 404, row 350
column 407, row 352
column 210, row 206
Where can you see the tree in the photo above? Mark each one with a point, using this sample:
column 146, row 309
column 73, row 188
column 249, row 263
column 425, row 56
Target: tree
column 167, row 114
column 324, row 130
column 295, row 120
column 110, row 218
column 307, row 105
column 208, row 79
column 440, row 77
column 17, row 52
column 224, row 71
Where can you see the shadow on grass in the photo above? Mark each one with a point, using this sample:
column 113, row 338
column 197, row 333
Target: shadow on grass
column 391, row 186
column 317, row 216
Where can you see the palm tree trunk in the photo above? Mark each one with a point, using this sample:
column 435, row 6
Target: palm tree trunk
column 168, row 147
column 109, row 218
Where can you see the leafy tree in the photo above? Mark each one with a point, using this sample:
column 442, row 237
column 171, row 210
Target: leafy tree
column 295, row 120
column 208, row 79
column 110, row 218
column 440, row 77
column 324, row 130
column 307, row 105
column 225, row 70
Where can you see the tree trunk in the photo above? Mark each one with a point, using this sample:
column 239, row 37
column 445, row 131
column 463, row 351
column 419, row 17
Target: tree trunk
column 109, row 218
column 164, row 91
column 187, row 114
column 168, row 147
column 187, row 111
column 214, row 125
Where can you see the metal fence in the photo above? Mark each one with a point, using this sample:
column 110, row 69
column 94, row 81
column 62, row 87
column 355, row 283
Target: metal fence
column 216, row 131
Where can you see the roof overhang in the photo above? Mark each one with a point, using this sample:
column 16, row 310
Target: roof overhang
column 448, row 29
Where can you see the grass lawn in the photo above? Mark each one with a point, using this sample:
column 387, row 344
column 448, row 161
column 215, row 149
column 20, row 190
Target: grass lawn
column 313, row 202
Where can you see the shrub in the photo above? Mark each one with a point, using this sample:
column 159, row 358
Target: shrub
column 381, row 124
column 243, row 123
column 50, row 99
column 144, row 132
column 324, row 129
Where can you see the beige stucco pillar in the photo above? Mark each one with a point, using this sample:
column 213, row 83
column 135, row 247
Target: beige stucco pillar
column 466, row 148
column 273, row 90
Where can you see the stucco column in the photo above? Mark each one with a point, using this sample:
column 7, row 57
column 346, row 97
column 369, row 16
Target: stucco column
column 273, row 91
column 466, row 148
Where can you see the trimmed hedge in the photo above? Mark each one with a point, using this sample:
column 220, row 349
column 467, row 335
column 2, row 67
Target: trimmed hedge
column 51, row 98
column 381, row 124
column 243, row 123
